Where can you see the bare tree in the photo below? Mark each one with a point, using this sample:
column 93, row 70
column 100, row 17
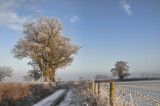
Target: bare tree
column 81, row 78
column 5, row 71
column 142, row 75
column 35, row 74
column 59, row 79
column 121, row 70
column 27, row 78
column 46, row 46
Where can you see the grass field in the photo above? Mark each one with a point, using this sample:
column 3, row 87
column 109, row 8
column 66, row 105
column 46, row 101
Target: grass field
column 15, row 93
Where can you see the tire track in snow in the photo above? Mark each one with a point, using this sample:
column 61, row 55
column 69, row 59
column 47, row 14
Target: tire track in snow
column 50, row 99
column 67, row 100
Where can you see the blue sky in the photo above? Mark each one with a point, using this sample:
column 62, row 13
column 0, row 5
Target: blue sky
column 112, row 30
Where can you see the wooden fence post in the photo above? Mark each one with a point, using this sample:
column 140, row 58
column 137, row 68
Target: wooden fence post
column 95, row 87
column 92, row 87
column 99, row 88
column 111, row 92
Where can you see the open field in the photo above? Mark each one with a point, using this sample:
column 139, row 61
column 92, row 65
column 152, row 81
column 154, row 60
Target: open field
column 141, row 93
column 131, row 93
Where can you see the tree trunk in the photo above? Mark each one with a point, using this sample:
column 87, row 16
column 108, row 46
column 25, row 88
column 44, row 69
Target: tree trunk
column 47, row 79
column 52, row 75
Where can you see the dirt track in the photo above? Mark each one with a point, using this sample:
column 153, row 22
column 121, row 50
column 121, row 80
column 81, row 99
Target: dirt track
column 56, row 101
column 60, row 98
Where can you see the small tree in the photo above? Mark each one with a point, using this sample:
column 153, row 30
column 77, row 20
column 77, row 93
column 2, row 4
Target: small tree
column 33, row 74
column 27, row 78
column 5, row 71
column 121, row 70
column 59, row 79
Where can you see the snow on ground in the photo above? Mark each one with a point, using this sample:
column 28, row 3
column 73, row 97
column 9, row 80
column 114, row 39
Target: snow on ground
column 50, row 99
column 148, row 88
column 67, row 100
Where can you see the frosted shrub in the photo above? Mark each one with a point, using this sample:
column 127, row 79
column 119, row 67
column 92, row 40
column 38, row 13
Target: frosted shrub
column 14, row 92
column 84, row 94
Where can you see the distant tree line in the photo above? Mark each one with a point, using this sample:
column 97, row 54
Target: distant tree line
column 101, row 77
column 149, row 75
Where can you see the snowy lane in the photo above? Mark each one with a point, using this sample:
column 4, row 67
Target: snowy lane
column 67, row 100
column 50, row 99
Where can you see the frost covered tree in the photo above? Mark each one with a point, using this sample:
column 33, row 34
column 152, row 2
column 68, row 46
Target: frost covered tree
column 44, row 44
column 27, row 78
column 5, row 71
column 34, row 74
column 121, row 70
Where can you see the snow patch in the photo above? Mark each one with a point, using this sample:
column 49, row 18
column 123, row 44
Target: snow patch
column 67, row 100
column 50, row 99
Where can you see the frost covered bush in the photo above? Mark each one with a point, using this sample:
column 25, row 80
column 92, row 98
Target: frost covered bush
column 83, row 93
column 12, row 93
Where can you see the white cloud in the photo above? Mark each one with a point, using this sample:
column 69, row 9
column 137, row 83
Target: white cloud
column 16, row 22
column 74, row 18
column 14, row 26
column 126, row 7
column 32, row 8
column 10, row 18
